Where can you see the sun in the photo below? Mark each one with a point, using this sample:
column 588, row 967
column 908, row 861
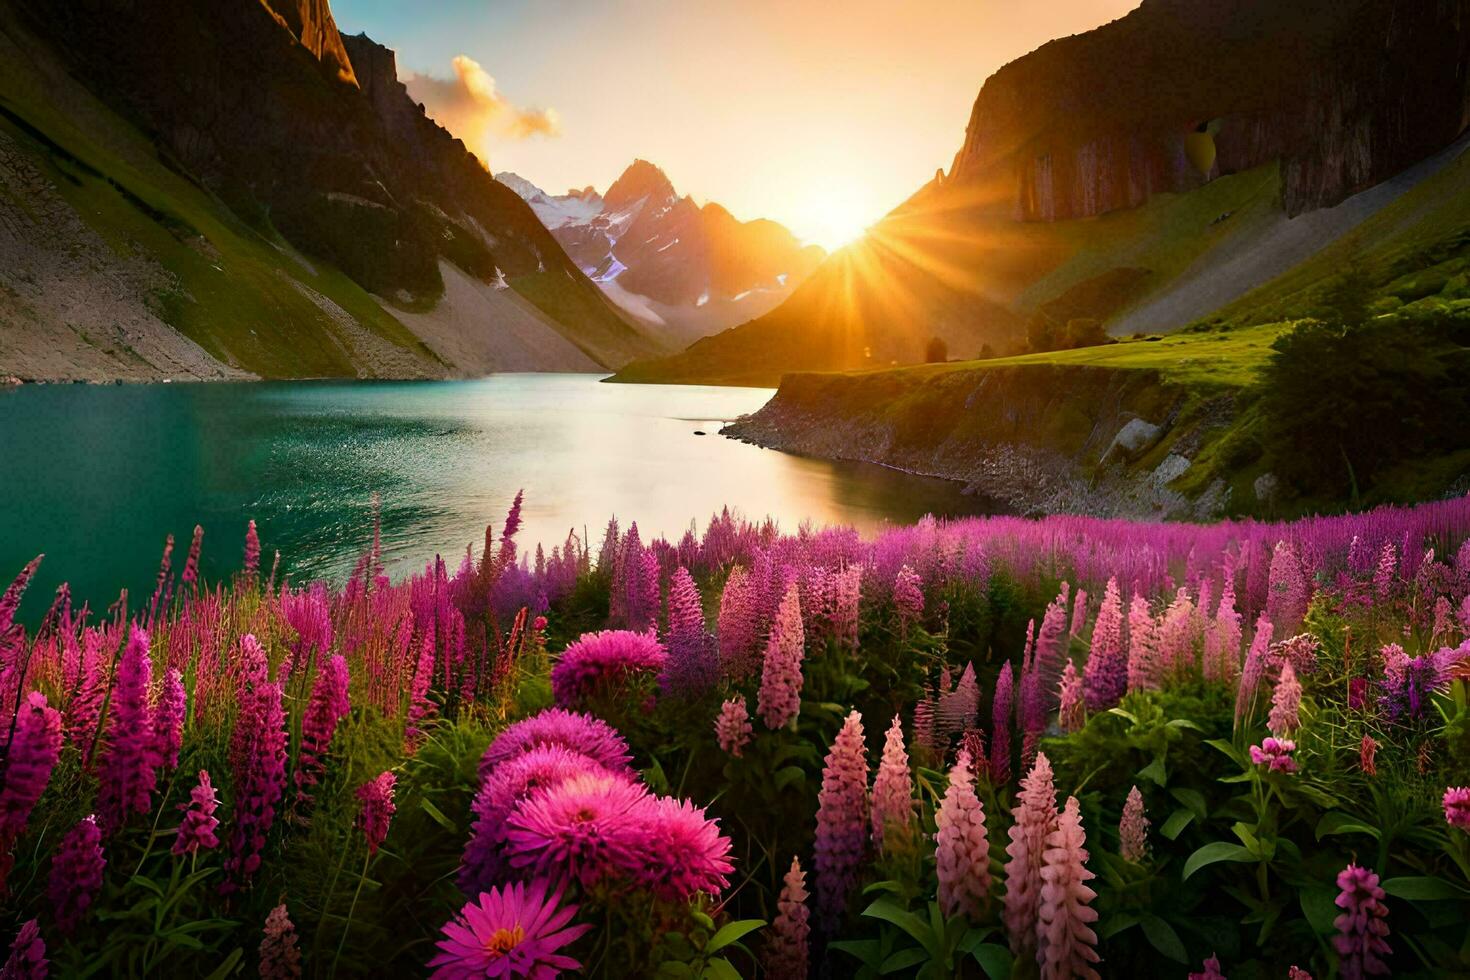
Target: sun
column 834, row 213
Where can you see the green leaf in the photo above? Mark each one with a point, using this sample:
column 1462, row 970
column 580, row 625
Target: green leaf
column 1247, row 837
column 1338, row 822
column 731, row 932
column 790, row 774
column 1176, row 823
column 1183, row 723
column 1319, row 905
column 1162, row 937
column 438, row 816
column 1123, row 714
column 994, row 959
column 1193, row 799
column 1214, row 853
column 228, row 966
column 903, row 959
column 867, row 951
column 1229, row 749
column 1417, row 889
column 888, row 911
column 719, row 968
column 675, row 970
column 1154, row 772
column 1115, row 924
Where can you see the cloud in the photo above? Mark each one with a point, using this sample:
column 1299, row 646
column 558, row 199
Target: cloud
column 470, row 106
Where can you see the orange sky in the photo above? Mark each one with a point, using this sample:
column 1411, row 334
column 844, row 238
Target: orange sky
column 822, row 115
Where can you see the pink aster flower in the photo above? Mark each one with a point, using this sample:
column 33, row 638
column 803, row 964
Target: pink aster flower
column 1211, row 971
column 608, row 663
column 893, row 787
column 280, row 956
column 1068, row 944
column 1275, row 754
column 732, row 726
column 588, row 827
column 1133, row 828
column 779, row 697
column 685, row 853
column 1035, row 817
column 377, row 811
column 1457, row 807
column 842, row 816
column 76, row 874
column 510, row 782
column 31, row 755
column 555, row 726
column 197, row 831
column 27, row 960
column 788, row 943
column 1362, row 926
column 513, row 931
column 962, row 847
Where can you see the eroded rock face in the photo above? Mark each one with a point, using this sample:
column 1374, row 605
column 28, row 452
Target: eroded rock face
column 311, row 23
column 1344, row 94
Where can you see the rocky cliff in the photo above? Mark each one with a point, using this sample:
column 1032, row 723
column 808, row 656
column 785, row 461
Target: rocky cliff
column 1345, row 93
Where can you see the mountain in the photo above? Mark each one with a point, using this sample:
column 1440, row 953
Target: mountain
column 1193, row 159
column 234, row 188
column 682, row 270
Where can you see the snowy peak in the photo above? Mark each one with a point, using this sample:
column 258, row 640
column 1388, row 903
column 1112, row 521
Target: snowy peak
column 574, row 207
column 641, row 181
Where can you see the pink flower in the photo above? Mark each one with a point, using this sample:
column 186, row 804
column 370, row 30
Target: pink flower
column 196, row 832
column 1287, row 590
column 126, row 777
column 732, row 726
column 555, row 726
column 377, row 811
column 1133, row 828
column 842, row 816
column 1457, row 807
column 685, row 853
column 258, row 760
column 329, row 704
column 501, row 791
column 1105, row 675
column 908, row 597
column 27, row 959
column 1067, row 946
column 1143, row 665
column 252, row 551
column 1211, row 971
column 420, row 707
column 1275, row 754
column 893, row 787
column 280, row 957
column 1070, row 713
column 588, row 827
column 1255, row 668
column 962, row 848
column 926, row 739
column 1000, row 728
column 513, row 931
column 76, row 874
column 609, row 663
column 30, row 757
column 739, row 625
column 1297, row 973
column 1362, row 926
column 1286, row 703
column 1367, row 754
column 168, row 719
column 959, row 709
column 788, row 943
column 779, row 699
column 1035, row 817
column 693, row 661
column 191, row 566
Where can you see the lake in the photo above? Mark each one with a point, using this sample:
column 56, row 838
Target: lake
column 96, row 476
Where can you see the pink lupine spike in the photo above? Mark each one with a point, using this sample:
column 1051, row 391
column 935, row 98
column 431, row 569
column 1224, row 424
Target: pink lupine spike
column 1034, row 818
column 732, row 727
column 893, row 789
column 962, row 848
column 126, row 776
column 1133, row 828
column 842, row 816
column 30, row 756
column 1286, row 703
column 1105, row 675
column 1067, row 945
column 787, row 946
column 779, row 698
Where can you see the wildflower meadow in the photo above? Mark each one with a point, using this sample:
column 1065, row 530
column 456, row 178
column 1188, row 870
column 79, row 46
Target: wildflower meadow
column 989, row 747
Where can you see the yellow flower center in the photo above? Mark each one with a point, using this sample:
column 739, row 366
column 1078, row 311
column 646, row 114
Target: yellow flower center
column 502, row 941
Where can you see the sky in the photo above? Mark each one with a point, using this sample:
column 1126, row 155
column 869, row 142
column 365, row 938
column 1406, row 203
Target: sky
column 820, row 114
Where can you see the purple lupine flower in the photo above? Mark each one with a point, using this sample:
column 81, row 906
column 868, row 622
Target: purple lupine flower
column 842, row 817
column 76, row 874
column 376, row 796
column 126, row 777
column 252, row 552
column 779, row 699
column 420, row 708
column 168, row 719
column 29, row 759
column 786, row 950
column 1409, row 682
column 893, row 788
column 329, row 704
column 1000, row 730
column 1105, row 675
column 258, row 757
column 197, row 830
column 693, row 661
column 908, row 598
column 732, row 726
column 27, row 960
column 1362, row 926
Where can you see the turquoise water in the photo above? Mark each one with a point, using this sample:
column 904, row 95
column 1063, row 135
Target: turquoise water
column 95, row 477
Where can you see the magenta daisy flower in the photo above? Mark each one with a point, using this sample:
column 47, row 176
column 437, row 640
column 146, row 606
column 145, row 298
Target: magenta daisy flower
column 585, row 827
column 606, row 663
column 510, row 932
column 555, row 726
column 688, row 852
